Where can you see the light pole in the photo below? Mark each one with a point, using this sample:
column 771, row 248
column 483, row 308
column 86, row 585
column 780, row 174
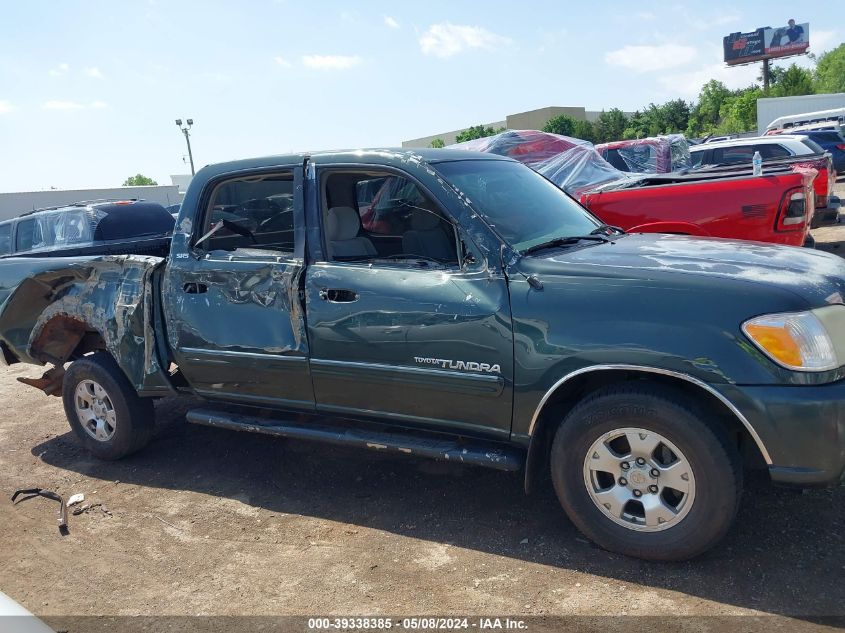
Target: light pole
column 185, row 130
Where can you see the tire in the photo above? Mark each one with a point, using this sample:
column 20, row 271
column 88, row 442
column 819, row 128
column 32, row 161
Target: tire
column 119, row 422
column 680, row 512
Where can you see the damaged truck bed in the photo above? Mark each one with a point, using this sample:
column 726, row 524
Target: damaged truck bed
column 458, row 306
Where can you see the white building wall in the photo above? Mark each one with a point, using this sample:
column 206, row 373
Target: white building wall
column 14, row 203
column 773, row 107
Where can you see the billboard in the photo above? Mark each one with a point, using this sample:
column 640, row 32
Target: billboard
column 766, row 43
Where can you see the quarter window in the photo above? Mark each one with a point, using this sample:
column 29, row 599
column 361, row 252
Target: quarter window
column 5, row 239
column 30, row 236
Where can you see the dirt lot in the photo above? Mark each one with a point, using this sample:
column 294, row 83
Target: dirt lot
column 210, row 522
column 206, row 521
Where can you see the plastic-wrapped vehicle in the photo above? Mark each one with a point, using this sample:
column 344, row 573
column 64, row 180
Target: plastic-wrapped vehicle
column 776, row 208
column 652, row 155
column 113, row 227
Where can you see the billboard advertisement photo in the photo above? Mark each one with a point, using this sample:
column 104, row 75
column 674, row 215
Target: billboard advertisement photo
column 787, row 40
column 767, row 43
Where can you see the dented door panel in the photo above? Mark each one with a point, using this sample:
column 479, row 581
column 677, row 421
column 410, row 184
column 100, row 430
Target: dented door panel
column 236, row 319
column 244, row 335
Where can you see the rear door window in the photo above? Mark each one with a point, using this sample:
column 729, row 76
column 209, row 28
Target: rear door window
column 770, row 150
column 730, row 155
column 254, row 212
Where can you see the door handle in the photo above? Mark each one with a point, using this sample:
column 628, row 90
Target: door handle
column 337, row 295
column 194, row 288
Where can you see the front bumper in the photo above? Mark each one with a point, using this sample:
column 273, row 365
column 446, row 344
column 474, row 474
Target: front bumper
column 802, row 429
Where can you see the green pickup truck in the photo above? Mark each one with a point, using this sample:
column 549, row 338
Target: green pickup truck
column 458, row 306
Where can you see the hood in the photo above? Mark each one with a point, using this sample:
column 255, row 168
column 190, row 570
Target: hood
column 815, row 276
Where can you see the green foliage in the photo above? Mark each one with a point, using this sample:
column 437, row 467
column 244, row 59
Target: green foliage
column 669, row 118
column 705, row 114
column 830, row 71
column 609, row 126
column 438, row 143
column 791, row 82
column 568, row 126
column 561, row 124
column 584, row 130
column 739, row 112
column 477, row 131
column 138, row 180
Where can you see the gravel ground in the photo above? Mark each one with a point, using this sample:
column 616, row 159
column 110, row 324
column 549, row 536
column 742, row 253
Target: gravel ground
column 206, row 521
column 832, row 238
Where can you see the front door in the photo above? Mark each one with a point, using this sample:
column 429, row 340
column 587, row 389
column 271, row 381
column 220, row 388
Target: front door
column 238, row 328
column 403, row 324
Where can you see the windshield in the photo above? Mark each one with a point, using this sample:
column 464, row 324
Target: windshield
column 522, row 207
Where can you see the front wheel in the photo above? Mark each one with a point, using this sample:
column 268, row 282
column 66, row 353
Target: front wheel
column 640, row 472
column 104, row 409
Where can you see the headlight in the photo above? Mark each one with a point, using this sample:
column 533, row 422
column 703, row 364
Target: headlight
column 798, row 340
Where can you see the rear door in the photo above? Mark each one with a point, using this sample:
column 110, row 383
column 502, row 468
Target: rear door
column 236, row 322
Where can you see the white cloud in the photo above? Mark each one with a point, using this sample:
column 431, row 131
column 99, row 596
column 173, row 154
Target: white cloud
column 6, row 106
column 59, row 70
column 650, row 58
column 72, row 105
column 392, row 23
column 688, row 84
column 820, row 40
column 704, row 23
column 281, row 61
column 331, row 62
column 445, row 39
column 94, row 73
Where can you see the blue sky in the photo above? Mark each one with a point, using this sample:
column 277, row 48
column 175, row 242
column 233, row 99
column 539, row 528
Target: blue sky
column 89, row 90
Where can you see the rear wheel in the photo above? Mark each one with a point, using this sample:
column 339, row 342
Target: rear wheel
column 104, row 409
column 640, row 472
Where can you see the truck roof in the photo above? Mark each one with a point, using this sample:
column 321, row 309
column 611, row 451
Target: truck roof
column 385, row 154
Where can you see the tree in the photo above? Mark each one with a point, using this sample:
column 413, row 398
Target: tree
column 562, row 124
column 672, row 117
column 477, row 131
column 830, row 71
column 585, row 131
column 138, row 180
column 705, row 114
column 739, row 112
column 792, row 81
column 610, row 126
column 437, row 143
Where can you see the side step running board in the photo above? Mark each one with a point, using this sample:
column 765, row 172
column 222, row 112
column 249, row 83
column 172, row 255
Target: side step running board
column 476, row 453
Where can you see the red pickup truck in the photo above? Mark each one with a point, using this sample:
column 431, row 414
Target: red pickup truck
column 777, row 207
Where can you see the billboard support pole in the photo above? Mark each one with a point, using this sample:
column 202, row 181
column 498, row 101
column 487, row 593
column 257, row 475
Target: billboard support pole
column 766, row 75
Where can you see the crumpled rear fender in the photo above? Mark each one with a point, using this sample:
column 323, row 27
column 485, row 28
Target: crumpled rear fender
column 52, row 307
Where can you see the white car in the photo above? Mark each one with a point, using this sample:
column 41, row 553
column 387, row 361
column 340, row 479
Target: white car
column 740, row 151
column 16, row 619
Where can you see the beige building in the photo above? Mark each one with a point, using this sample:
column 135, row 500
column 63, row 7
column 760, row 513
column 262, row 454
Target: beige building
column 531, row 120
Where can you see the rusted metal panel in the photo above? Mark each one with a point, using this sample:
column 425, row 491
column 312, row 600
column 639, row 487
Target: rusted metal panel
column 48, row 305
